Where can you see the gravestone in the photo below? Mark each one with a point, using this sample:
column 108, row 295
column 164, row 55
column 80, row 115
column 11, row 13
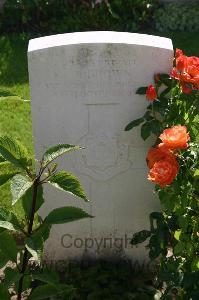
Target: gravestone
column 83, row 92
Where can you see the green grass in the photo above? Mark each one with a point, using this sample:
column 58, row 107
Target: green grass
column 15, row 116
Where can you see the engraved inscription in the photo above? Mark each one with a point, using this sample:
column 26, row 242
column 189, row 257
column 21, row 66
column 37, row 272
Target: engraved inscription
column 104, row 156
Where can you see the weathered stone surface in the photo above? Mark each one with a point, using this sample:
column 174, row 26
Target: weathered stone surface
column 83, row 92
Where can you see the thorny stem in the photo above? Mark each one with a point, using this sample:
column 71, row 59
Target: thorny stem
column 30, row 226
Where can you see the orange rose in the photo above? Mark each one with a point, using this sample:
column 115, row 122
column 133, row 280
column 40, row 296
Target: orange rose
column 151, row 93
column 161, row 152
column 175, row 137
column 186, row 71
column 163, row 173
column 181, row 63
column 186, row 89
column 178, row 52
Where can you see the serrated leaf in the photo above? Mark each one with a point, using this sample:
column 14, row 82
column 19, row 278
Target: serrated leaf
column 14, row 152
column 56, row 151
column 19, row 186
column 8, row 246
column 68, row 183
column 8, row 220
column 145, row 130
column 65, row 214
column 133, row 124
column 142, row 90
column 27, row 200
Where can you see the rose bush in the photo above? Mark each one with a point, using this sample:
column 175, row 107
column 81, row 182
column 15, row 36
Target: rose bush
column 172, row 116
column 186, row 71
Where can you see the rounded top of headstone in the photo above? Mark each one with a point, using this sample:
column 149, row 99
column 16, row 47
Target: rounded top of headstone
column 99, row 37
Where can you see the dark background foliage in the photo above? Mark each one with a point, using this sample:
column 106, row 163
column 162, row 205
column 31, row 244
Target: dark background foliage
column 58, row 16
column 75, row 15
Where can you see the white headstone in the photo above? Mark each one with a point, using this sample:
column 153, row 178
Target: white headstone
column 83, row 92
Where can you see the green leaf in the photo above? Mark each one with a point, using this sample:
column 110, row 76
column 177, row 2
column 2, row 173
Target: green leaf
column 2, row 159
column 11, row 276
column 4, row 294
column 145, row 130
column 8, row 246
column 155, row 216
column 8, row 220
column 179, row 248
column 66, row 214
column 19, row 186
column 142, row 90
column 196, row 174
column 46, row 275
column 147, row 116
column 140, row 237
column 164, row 76
column 27, row 200
column 133, row 124
column 26, row 282
column 49, row 290
column 35, row 243
column 177, row 235
column 14, row 152
column 44, row 291
column 165, row 92
column 43, row 231
column 154, row 253
column 56, row 151
column 5, row 177
column 156, row 127
column 68, row 183
column 35, row 247
column 8, row 167
column 3, row 261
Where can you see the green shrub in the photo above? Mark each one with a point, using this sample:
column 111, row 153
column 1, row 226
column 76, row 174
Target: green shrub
column 178, row 17
column 75, row 15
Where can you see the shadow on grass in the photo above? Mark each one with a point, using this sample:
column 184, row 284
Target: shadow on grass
column 13, row 60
